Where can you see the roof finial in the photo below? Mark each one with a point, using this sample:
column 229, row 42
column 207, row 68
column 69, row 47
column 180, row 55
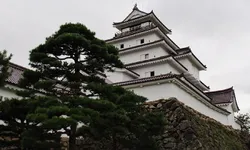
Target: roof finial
column 135, row 7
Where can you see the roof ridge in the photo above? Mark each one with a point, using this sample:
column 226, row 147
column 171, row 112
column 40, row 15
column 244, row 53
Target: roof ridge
column 132, row 71
column 221, row 91
column 13, row 65
column 153, row 78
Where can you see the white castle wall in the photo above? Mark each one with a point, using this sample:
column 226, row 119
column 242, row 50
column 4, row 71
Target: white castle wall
column 158, row 68
column 137, row 55
column 190, row 66
column 167, row 90
column 118, row 76
column 6, row 93
column 231, row 117
column 134, row 41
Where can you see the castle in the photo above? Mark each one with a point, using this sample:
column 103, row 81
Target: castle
column 156, row 68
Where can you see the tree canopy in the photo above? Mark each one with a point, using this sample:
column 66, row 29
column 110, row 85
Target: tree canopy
column 65, row 93
column 4, row 64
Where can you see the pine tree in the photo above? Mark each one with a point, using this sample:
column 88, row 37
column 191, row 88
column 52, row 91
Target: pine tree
column 4, row 64
column 9, row 110
column 69, row 68
column 16, row 130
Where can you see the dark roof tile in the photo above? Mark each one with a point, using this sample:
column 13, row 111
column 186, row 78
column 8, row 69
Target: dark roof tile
column 222, row 96
column 148, row 79
column 16, row 73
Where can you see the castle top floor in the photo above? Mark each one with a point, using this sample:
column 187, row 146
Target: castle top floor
column 138, row 21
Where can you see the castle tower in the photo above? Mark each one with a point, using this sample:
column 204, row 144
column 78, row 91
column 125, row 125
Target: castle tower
column 156, row 68
column 146, row 49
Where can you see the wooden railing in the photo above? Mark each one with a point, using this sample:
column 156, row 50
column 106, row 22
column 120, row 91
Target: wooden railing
column 134, row 30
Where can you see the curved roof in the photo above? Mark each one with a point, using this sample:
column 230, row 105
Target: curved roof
column 223, row 96
column 141, row 16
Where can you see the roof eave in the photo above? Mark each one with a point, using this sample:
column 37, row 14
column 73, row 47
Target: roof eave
column 179, row 65
column 110, row 41
column 235, row 104
column 208, row 99
column 167, row 30
column 176, row 79
column 151, row 16
column 130, row 72
column 197, row 62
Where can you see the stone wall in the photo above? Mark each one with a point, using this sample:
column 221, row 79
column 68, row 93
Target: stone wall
column 187, row 129
column 190, row 130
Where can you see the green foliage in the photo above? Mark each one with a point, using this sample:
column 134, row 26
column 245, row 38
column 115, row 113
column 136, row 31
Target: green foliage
column 68, row 72
column 4, row 64
column 245, row 120
column 20, row 130
column 245, row 126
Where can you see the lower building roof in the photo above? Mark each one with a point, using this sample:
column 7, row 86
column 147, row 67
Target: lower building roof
column 223, row 96
column 16, row 73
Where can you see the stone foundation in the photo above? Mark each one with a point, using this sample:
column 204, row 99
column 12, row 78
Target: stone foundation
column 187, row 129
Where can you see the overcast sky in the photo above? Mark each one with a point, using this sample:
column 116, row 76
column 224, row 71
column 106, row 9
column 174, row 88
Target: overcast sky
column 218, row 31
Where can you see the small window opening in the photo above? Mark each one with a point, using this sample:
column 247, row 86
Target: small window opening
column 122, row 46
column 142, row 41
column 152, row 73
column 146, row 56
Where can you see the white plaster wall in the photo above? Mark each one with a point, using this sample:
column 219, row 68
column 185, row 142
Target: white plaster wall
column 158, row 68
column 167, row 90
column 5, row 93
column 135, row 55
column 118, row 76
column 236, row 126
column 191, row 68
column 231, row 117
column 134, row 41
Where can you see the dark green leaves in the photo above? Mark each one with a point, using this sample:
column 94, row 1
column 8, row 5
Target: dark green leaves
column 4, row 62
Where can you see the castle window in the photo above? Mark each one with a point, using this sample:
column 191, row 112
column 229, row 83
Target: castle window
column 142, row 41
column 144, row 56
column 149, row 74
column 152, row 73
column 122, row 46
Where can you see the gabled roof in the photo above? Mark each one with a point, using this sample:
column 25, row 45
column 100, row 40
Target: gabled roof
column 223, row 96
column 135, row 12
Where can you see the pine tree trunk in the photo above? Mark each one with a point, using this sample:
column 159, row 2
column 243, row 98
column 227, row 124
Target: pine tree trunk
column 72, row 138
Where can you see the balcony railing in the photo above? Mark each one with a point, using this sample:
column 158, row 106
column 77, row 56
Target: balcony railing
column 133, row 30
